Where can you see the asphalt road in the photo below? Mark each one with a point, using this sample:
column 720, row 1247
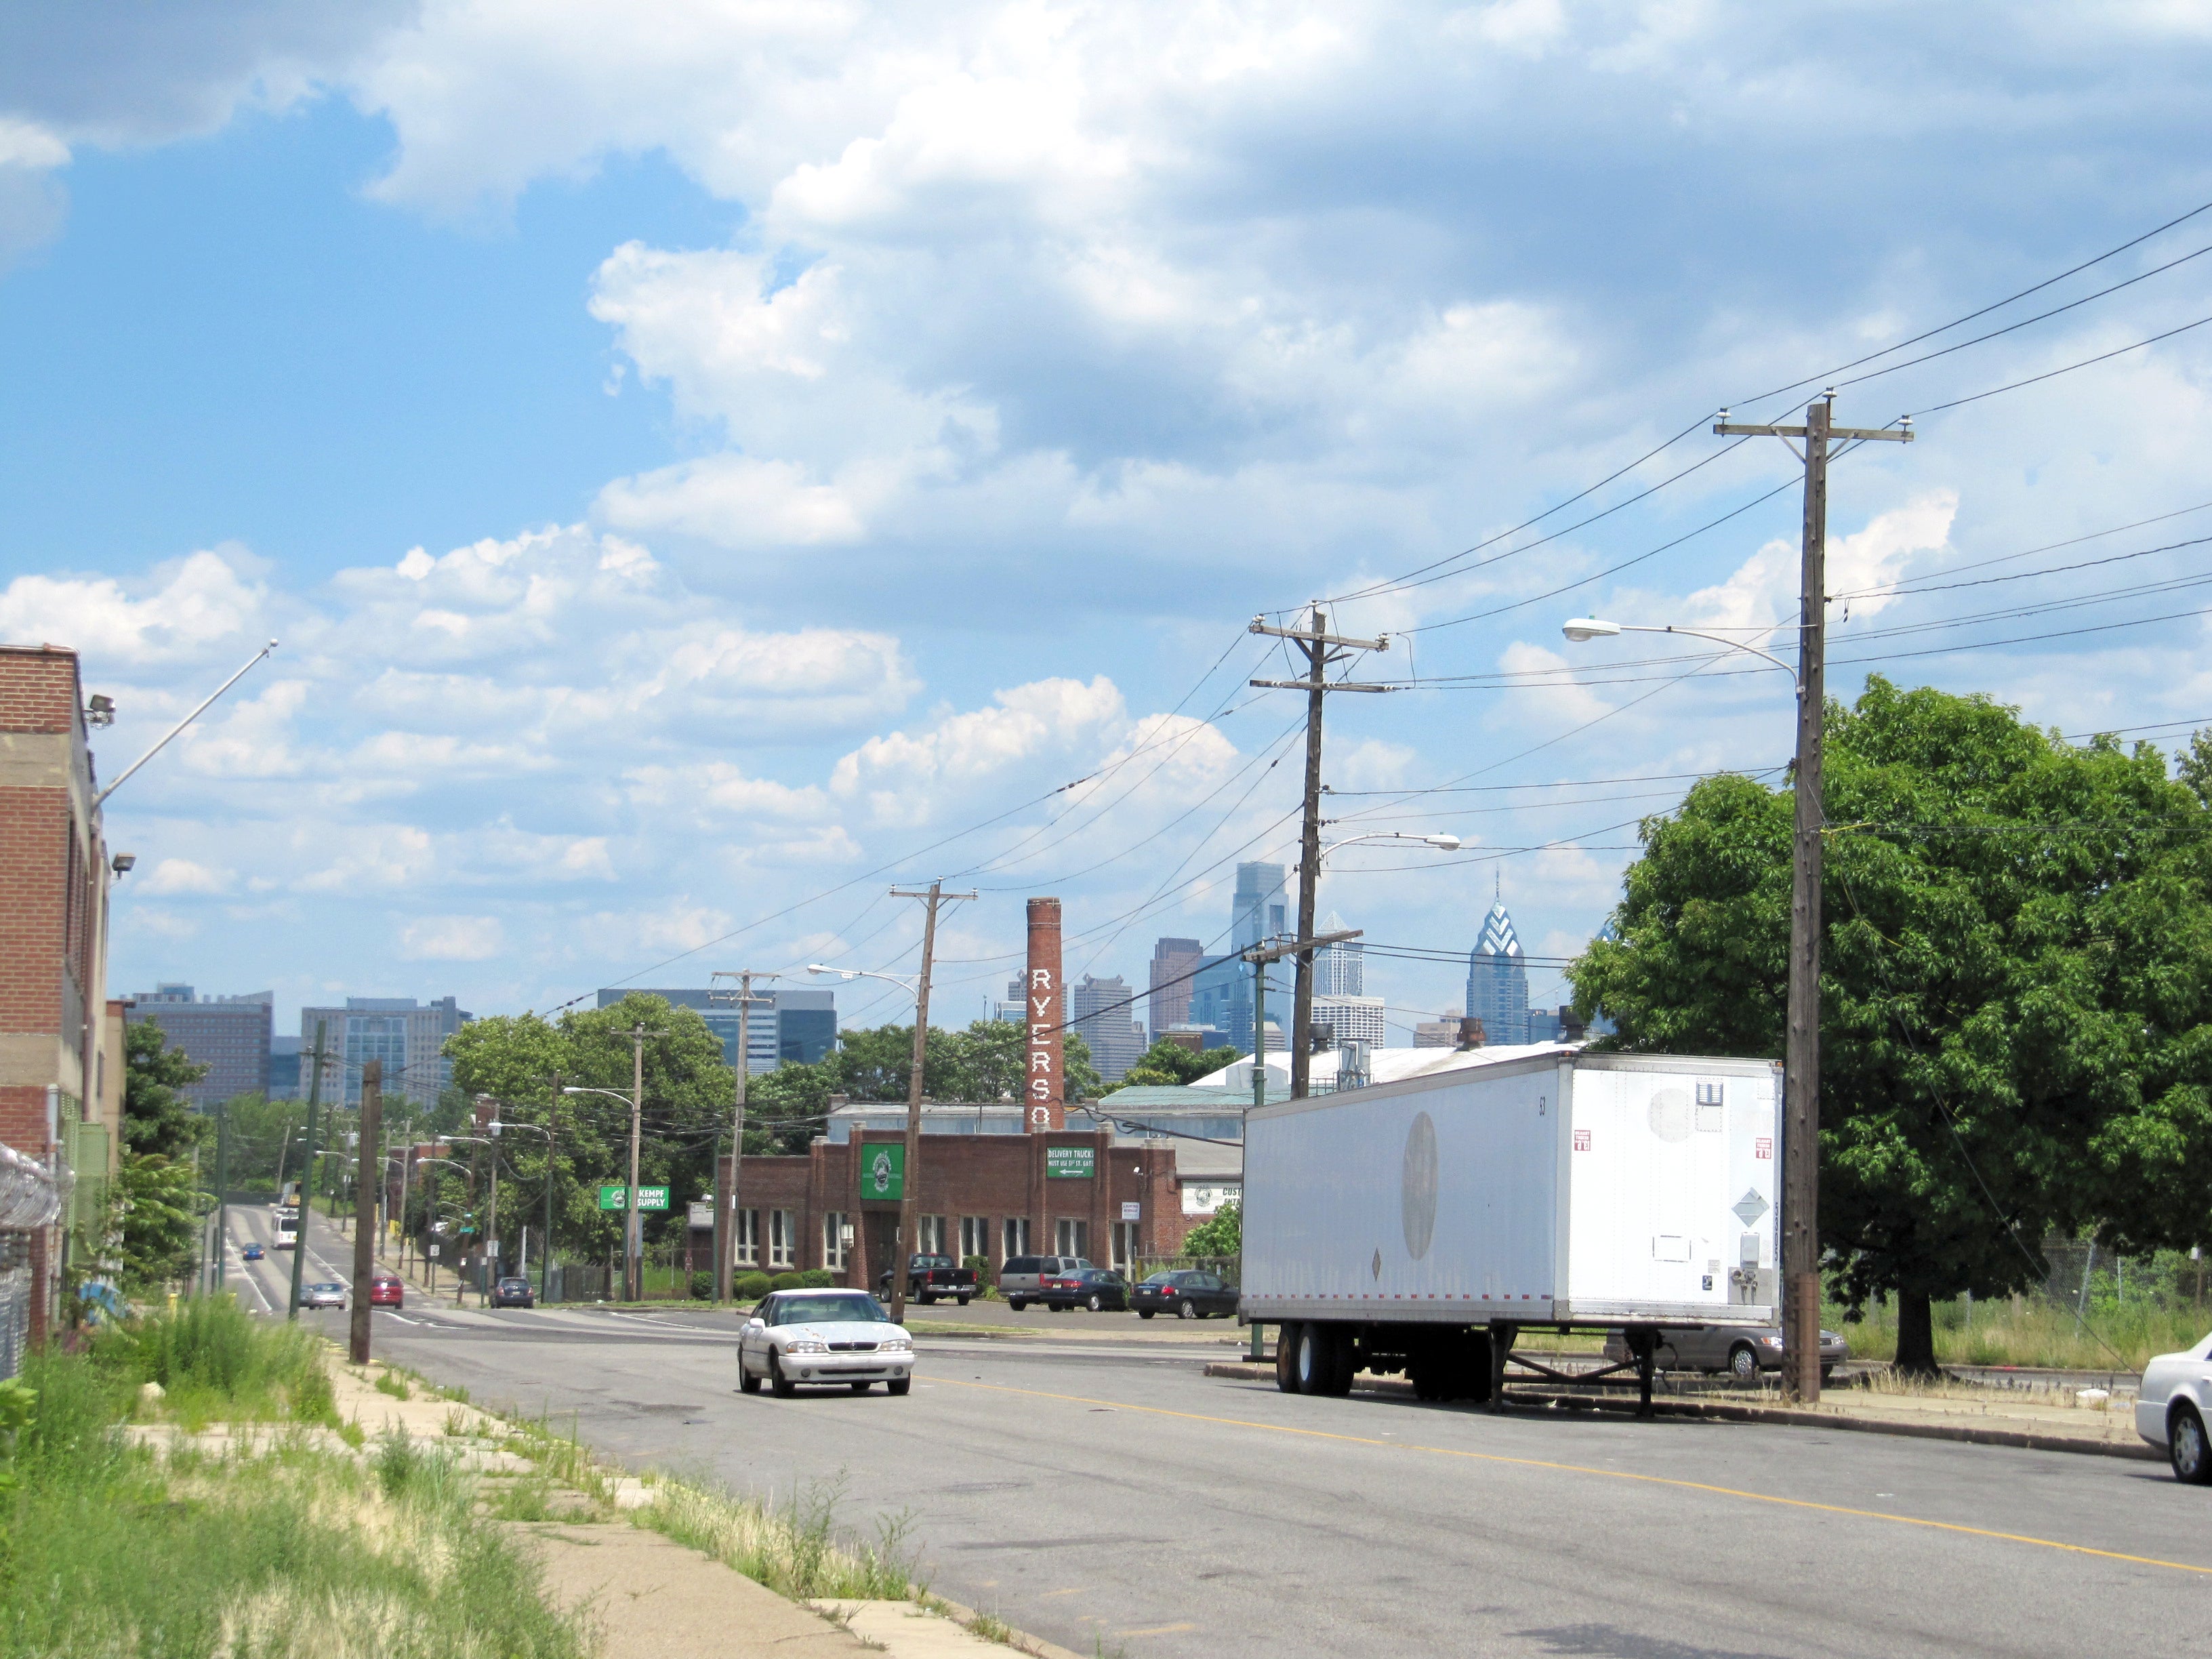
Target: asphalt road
column 1220, row 1518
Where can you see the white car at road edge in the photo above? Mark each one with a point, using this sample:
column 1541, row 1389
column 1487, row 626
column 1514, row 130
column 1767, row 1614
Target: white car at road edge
column 2174, row 1406
column 824, row 1338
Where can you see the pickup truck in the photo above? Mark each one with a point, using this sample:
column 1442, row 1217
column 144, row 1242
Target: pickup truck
column 929, row 1276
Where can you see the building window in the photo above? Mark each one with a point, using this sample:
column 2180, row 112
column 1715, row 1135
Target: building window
column 974, row 1237
column 1125, row 1247
column 1017, row 1237
column 929, row 1235
column 1071, row 1236
column 833, row 1240
column 748, row 1247
column 782, row 1238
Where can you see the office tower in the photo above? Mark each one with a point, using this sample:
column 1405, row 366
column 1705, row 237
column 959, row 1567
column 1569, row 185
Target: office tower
column 1497, row 980
column 228, row 1034
column 408, row 1037
column 1099, row 1010
column 1339, row 970
column 798, row 1023
column 1176, row 962
column 1259, row 910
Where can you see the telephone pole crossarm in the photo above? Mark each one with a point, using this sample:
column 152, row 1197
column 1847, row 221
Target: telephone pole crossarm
column 1858, row 434
column 1327, row 685
column 1294, row 947
column 1312, row 637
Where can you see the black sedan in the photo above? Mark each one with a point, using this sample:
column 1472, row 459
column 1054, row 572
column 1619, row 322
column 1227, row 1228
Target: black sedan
column 1095, row 1288
column 512, row 1293
column 1187, row 1294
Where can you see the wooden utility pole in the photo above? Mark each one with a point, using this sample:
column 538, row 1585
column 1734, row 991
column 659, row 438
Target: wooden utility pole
column 1260, row 955
column 1321, row 648
column 364, row 1204
column 306, row 1175
column 552, row 1139
column 1801, row 1066
column 910, row 1181
column 726, row 1204
column 633, row 1267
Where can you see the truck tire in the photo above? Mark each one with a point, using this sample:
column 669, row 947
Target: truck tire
column 1146, row 1313
column 1473, row 1382
column 961, row 1300
column 1323, row 1365
column 1016, row 1303
column 1343, row 1360
column 1288, row 1338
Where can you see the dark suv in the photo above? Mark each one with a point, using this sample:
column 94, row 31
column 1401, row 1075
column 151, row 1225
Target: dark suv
column 1022, row 1278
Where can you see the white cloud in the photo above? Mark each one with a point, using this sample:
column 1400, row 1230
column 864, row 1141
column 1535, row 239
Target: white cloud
column 452, row 939
column 181, row 876
column 186, row 608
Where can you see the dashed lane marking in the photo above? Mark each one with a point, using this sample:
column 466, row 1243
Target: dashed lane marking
column 1609, row 1474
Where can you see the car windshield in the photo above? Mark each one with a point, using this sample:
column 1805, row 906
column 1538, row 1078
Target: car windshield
column 514, row 1284
column 853, row 1310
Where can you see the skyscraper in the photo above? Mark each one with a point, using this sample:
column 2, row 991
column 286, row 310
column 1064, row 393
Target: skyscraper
column 1497, row 978
column 798, row 1023
column 228, row 1034
column 1099, row 1010
column 1260, row 910
column 1174, row 964
column 407, row 1036
column 1339, row 970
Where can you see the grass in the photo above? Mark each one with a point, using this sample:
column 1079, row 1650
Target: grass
column 2038, row 1331
column 111, row 1549
column 794, row 1550
column 394, row 1384
column 213, row 1361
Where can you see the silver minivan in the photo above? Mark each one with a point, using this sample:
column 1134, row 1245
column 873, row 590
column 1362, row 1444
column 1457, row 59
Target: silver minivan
column 1017, row 1279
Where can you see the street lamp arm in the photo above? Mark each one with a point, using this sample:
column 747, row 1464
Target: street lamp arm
column 1583, row 628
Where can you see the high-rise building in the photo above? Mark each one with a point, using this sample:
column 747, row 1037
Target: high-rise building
column 1261, row 909
column 1176, row 962
column 1350, row 1020
column 1015, row 1009
column 229, row 1035
column 1497, row 980
column 285, row 1080
column 798, row 1024
column 408, row 1037
column 1339, row 970
column 1441, row 1033
column 1099, row 1010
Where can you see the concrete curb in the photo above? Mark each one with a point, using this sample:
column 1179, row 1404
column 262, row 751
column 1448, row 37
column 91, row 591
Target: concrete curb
column 1722, row 1411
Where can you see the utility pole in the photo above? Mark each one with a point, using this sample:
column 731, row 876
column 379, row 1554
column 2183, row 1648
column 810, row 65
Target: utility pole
column 910, row 1183
column 306, row 1175
column 552, row 1139
column 223, row 1189
column 1322, row 649
column 725, row 1205
column 633, row 1269
column 1801, row 1066
column 364, row 1206
column 1260, row 955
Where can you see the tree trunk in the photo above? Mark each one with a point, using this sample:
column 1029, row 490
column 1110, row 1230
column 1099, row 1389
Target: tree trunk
column 1915, row 1335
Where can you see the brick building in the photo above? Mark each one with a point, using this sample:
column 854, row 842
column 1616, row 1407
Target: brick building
column 61, row 1039
column 1068, row 1193
column 229, row 1035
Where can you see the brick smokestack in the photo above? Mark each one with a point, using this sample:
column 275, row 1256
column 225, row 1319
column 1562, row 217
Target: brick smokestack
column 1045, row 1095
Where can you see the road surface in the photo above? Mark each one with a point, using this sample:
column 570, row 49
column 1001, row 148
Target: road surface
column 1108, row 1496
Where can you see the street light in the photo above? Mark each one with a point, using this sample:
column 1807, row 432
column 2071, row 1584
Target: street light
column 1442, row 840
column 1801, row 1152
column 633, row 1234
column 545, row 1252
column 431, row 1194
column 491, row 1207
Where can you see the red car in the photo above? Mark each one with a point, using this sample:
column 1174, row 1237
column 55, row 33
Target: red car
column 385, row 1291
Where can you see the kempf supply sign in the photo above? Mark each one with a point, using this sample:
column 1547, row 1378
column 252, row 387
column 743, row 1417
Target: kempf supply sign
column 648, row 1198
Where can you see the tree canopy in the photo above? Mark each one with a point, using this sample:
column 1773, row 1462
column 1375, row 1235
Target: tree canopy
column 156, row 1119
column 2016, row 986
column 1167, row 1063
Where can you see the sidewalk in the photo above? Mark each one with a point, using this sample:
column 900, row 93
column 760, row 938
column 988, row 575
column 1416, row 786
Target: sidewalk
column 2039, row 1422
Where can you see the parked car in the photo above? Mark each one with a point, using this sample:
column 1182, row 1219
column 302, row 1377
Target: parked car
column 512, row 1293
column 1187, row 1293
column 385, row 1291
column 1021, row 1275
column 1099, row 1288
column 823, row 1337
column 2173, row 1404
column 251, row 1252
column 322, row 1295
column 930, row 1276
column 1742, row 1351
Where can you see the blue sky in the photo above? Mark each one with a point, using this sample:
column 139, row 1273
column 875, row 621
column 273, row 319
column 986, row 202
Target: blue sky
column 697, row 455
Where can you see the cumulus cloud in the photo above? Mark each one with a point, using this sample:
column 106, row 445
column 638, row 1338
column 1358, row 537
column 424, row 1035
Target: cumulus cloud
column 181, row 876
column 452, row 939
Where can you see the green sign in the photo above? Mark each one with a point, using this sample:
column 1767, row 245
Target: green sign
column 1071, row 1163
column 883, row 1174
column 648, row 1198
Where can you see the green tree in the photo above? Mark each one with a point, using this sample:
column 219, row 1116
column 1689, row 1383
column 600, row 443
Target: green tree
column 1221, row 1233
column 2016, row 988
column 1166, row 1063
column 156, row 1119
column 158, row 1197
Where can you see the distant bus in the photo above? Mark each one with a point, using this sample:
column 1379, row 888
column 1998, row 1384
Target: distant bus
column 288, row 1227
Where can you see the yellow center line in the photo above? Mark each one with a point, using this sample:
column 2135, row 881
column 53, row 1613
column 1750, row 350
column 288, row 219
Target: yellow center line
column 1611, row 1474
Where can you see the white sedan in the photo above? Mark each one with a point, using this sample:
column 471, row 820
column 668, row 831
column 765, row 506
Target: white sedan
column 823, row 1337
column 2174, row 1404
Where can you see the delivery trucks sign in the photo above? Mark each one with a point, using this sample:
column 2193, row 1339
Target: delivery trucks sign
column 883, row 1174
column 1070, row 1162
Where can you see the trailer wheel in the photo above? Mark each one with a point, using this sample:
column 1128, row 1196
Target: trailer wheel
column 1474, row 1369
column 1343, row 1354
column 1289, row 1338
column 1428, row 1377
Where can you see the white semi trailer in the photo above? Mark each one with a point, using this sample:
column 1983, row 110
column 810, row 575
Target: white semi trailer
column 1419, row 1226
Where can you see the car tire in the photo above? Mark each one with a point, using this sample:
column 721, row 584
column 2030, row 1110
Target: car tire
column 1287, row 1338
column 1096, row 1304
column 898, row 1385
column 961, row 1300
column 1016, row 1304
column 780, row 1385
column 2186, row 1448
column 746, row 1380
column 862, row 1388
column 1188, row 1310
column 1146, row 1313
column 1743, row 1362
